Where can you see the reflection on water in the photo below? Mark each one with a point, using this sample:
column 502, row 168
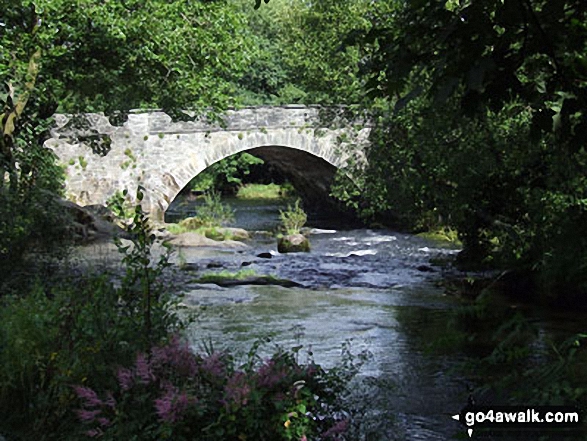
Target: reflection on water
column 250, row 214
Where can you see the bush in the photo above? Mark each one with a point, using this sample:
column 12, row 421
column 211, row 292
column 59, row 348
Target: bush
column 172, row 393
column 213, row 213
column 76, row 331
column 51, row 338
column 294, row 218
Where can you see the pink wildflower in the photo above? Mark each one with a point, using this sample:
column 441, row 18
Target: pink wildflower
column 94, row 433
column 213, row 365
column 172, row 404
column 143, row 369
column 338, row 429
column 176, row 354
column 104, row 422
column 88, row 395
column 125, row 378
column 110, row 401
column 88, row 415
column 269, row 376
column 237, row 390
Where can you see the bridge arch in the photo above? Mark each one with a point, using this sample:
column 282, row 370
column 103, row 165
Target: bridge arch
column 163, row 156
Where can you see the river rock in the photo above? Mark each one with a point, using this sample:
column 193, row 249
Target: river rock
column 197, row 240
column 425, row 269
column 236, row 233
column 293, row 243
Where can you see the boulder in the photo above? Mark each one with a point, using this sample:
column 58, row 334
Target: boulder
column 198, row 240
column 235, row 233
column 89, row 224
column 293, row 243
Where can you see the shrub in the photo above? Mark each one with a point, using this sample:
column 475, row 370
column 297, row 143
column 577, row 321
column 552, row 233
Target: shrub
column 294, row 218
column 191, row 223
column 172, row 393
column 71, row 333
column 76, row 331
column 213, row 213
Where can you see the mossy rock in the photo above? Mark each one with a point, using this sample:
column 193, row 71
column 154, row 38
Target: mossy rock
column 191, row 223
column 293, row 243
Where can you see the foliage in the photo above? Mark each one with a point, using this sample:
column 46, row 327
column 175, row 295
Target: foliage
column 299, row 55
column 193, row 224
column 442, row 235
column 521, row 365
column 76, row 331
column 210, row 216
column 226, row 175
column 294, row 218
column 176, row 394
column 480, row 121
column 316, row 60
column 141, row 288
column 107, row 56
column 262, row 191
column 30, row 182
column 489, row 53
column 214, row 213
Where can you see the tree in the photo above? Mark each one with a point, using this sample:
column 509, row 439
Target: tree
column 486, row 128
column 89, row 55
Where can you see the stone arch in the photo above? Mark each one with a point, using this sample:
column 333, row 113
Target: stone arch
column 309, row 161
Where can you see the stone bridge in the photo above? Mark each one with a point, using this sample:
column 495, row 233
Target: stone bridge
column 306, row 144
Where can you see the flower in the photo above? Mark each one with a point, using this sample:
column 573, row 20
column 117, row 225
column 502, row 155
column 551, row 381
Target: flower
column 213, row 364
column 270, row 374
column 237, row 389
column 125, row 378
column 339, row 428
column 88, row 415
column 176, row 354
column 94, row 433
column 287, row 424
column 172, row 404
column 143, row 369
column 88, row 395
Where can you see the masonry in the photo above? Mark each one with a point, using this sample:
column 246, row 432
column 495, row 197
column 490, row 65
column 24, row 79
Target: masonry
column 162, row 155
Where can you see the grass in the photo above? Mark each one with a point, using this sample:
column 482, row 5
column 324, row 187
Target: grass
column 442, row 234
column 262, row 191
column 213, row 233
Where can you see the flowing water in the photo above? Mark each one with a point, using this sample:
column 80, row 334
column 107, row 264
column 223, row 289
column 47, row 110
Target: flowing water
column 374, row 287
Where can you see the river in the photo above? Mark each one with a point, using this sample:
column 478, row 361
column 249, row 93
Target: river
column 373, row 287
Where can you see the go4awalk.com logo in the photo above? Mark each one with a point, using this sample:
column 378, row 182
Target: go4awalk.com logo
column 489, row 418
